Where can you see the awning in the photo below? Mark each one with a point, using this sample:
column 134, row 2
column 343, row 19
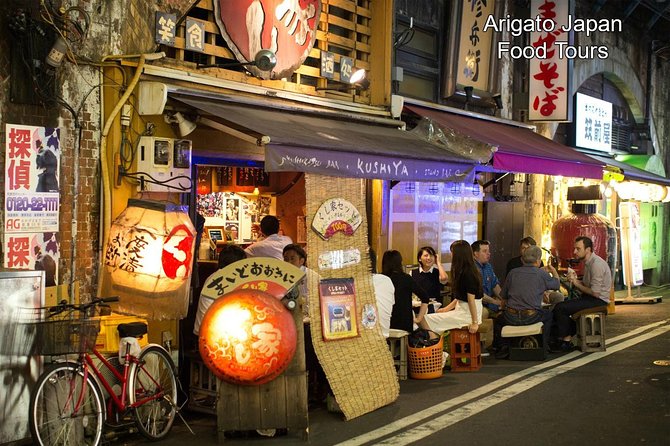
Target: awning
column 356, row 149
column 519, row 149
column 632, row 173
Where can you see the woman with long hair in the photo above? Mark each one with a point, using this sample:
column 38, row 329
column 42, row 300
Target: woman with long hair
column 466, row 285
column 402, row 315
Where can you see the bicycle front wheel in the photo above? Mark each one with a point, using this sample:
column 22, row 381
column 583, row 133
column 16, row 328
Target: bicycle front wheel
column 65, row 410
column 153, row 392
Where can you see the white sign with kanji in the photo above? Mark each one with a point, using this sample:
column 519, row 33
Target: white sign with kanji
column 593, row 123
column 32, row 164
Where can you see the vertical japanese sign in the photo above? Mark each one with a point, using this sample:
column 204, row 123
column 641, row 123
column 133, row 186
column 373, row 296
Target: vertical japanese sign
column 166, row 28
column 339, row 319
column 474, row 54
column 593, row 123
column 550, row 76
column 631, row 244
column 32, row 164
column 195, row 35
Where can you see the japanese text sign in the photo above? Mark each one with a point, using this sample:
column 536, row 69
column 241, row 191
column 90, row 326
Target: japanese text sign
column 593, row 123
column 336, row 215
column 474, row 54
column 166, row 27
column 549, row 80
column 339, row 319
column 32, row 164
column 195, row 35
column 272, row 276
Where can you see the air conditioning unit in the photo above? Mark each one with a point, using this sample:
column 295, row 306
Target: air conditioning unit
column 165, row 161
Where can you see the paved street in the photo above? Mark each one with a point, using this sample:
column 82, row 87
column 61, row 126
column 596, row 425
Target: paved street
column 617, row 397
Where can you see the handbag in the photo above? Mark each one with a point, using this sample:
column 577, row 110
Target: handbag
column 421, row 338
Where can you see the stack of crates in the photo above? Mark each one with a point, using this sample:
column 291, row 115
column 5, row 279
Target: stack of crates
column 466, row 354
column 107, row 341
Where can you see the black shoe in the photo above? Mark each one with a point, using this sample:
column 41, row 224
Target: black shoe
column 562, row 347
column 503, row 352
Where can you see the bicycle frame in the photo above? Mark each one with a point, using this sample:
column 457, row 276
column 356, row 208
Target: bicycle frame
column 119, row 402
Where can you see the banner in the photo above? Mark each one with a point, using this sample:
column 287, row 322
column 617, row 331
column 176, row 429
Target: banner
column 631, row 245
column 34, row 251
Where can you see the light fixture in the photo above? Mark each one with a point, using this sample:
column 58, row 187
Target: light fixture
column 357, row 80
column 497, row 98
column 265, row 60
column 185, row 126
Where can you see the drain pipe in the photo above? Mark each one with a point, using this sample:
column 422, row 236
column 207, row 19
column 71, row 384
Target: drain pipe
column 106, row 191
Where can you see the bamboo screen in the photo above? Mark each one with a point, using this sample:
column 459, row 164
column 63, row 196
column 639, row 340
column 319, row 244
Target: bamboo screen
column 344, row 29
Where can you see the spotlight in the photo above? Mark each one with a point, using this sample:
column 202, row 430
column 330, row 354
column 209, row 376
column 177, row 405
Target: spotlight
column 185, row 126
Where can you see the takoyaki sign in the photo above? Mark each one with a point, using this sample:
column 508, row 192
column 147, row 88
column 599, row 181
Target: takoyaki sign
column 285, row 27
column 336, row 215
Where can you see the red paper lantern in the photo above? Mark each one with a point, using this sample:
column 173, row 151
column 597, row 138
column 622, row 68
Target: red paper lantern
column 247, row 337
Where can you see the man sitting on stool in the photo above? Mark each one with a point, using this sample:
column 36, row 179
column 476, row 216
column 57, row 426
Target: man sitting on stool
column 523, row 293
column 595, row 288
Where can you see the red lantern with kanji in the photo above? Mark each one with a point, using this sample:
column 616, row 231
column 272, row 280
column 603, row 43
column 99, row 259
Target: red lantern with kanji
column 247, row 337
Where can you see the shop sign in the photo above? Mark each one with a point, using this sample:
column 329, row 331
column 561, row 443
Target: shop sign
column 339, row 319
column 336, row 215
column 32, row 164
column 36, row 251
column 354, row 165
column 549, row 83
column 474, row 54
column 631, row 244
column 327, row 64
column 346, row 69
column 286, row 28
column 166, row 28
column 593, row 123
column 195, row 35
column 272, row 276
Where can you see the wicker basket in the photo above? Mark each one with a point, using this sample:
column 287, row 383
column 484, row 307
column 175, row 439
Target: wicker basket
column 425, row 362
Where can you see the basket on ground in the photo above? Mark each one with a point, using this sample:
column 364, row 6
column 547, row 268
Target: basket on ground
column 425, row 362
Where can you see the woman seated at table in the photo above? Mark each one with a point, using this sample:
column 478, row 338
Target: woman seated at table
column 402, row 315
column 430, row 275
column 466, row 283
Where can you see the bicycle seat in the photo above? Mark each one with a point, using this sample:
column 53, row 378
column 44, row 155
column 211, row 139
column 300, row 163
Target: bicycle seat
column 132, row 330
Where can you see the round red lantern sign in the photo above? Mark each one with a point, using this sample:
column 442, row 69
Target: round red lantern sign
column 247, row 337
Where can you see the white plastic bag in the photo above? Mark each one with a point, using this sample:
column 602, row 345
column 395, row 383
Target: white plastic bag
column 134, row 348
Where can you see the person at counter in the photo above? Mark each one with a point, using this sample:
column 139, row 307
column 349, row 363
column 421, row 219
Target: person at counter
column 296, row 256
column 229, row 254
column 402, row 315
column 272, row 244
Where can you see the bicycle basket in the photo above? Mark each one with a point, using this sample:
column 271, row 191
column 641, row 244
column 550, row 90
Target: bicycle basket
column 65, row 336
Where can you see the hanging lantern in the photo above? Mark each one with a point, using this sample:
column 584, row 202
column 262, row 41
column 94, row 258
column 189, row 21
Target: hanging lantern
column 247, row 337
column 150, row 248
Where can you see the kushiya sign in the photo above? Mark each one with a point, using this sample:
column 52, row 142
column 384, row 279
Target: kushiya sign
column 285, row 27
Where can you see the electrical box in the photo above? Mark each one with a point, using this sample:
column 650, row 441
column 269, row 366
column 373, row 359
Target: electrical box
column 165, row 161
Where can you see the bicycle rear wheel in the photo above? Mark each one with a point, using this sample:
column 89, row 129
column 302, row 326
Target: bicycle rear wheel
column 153, row 380
column 65, row 410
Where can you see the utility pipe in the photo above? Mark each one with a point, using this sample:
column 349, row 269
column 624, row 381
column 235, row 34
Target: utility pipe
column 105, row 186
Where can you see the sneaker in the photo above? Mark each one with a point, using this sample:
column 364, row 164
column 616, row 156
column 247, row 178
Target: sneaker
column 562, row 347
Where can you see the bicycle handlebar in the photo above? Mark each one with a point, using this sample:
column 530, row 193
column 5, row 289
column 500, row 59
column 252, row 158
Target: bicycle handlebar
column 64, row 306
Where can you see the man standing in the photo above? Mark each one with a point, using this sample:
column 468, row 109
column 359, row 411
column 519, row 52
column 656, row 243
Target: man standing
column 595, row 287
column 490, row 283
column 272, row 245
column 523, row 293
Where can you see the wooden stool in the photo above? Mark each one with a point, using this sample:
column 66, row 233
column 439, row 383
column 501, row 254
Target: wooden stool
column 591, row 328
column 526, row 342
column 465, row 351
column 397, row 341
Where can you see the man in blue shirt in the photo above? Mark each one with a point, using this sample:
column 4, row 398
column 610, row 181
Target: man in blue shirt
column 491, row 300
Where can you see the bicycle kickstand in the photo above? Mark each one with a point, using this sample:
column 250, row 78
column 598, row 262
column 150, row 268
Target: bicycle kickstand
column 178, row 411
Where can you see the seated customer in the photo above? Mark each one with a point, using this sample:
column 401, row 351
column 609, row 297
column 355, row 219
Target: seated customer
column 229, row 254
column 430, row 274
column 402, row 315
column 523, row 293
column 466, row 308
column 516, row 262
column 384, row 295
column 296, row 256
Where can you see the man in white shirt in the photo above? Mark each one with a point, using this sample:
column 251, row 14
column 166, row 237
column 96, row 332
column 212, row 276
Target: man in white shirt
column 384, row 294
column 272, row 245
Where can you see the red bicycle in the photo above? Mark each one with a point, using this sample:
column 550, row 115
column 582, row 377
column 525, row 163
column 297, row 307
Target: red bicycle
column 67, row 406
